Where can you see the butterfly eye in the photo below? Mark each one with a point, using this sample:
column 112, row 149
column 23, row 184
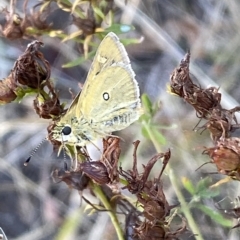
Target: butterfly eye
column 66, row 130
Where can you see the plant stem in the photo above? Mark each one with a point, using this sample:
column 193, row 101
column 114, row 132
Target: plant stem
column 100, row 195
column 184, row 206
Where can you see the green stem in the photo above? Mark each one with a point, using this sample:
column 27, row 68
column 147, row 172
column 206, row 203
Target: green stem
column 184, row 206
column 100, row 195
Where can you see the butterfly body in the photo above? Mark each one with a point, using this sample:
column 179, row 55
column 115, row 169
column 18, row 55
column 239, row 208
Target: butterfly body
column 108, row 102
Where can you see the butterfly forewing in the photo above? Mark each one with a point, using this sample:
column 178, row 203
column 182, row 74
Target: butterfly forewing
column 110, row 51
column 117, row 95
column 109, row 100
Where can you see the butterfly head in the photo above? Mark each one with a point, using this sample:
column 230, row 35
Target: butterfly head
column 68, row 134
column 64, row 133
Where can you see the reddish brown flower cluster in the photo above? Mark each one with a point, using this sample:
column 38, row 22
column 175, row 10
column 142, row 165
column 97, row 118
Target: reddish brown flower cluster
column 203, row 100
column 152, row 222
column 30, row 70
column 88, row 24
column 17, row 27
column 30, row 74
column 152, row 199
column 226, row 156
column 91, row 21
column 220, row 122
column 87, row 16
column 75, row 180
column 103, row 171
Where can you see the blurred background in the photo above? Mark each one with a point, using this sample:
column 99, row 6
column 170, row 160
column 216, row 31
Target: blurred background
column 32, row 206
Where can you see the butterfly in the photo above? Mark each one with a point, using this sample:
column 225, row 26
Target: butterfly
column 109, row 100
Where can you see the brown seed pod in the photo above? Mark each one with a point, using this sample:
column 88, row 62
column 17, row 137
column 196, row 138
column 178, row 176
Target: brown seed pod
column 146, row 231
column 226, row 156
column 87, row 25
column 203, row 100
column 14, row 26
column 49, row 108
column 110, row 157
column 95, row 170
column 76, row 180
column 31, row 68
column 154, row 210
column 7, row 95
column 180, row 81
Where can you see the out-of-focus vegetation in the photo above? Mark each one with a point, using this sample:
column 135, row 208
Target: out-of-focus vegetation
column 157, row 34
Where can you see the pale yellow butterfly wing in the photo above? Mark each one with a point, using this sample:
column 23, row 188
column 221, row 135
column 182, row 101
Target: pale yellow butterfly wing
column 115, row 100
column 110, row 51
column 109, row 100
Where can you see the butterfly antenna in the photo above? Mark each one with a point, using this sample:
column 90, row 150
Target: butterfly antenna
column 34, row 151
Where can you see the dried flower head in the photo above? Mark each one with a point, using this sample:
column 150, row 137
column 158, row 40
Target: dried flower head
column 181, row 84
column 14, row 26
column 136, row 181
column 48, row 107
column 31, row 68
column 75, row 180
column 30, row 72
column 226, row 156
column 151, row 196
column 180, row 81
column 7, row 94
column 110, row 157
column 96, row 171
column 88, row 24
column 29, row 25
column 145, row 230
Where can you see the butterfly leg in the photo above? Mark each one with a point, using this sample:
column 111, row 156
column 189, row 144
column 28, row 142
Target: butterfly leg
column 74, row 162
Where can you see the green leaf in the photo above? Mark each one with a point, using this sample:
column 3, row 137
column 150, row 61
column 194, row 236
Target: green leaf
column 208, row 193
column 65, row 5
column 50, row 33
column 72, row 35
column 145, row 132
column 150, row 108
column 145, row 118
column 119, row 28
column 78, row 61
column 188, row 185
column 158, row 136
column 203, row 184
column 217, row 217
column 129, row 41
column 151, row 132
column 147, row 104
column 99, row 12
column 203, row 190
column 22, row 92
column 75, row 4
